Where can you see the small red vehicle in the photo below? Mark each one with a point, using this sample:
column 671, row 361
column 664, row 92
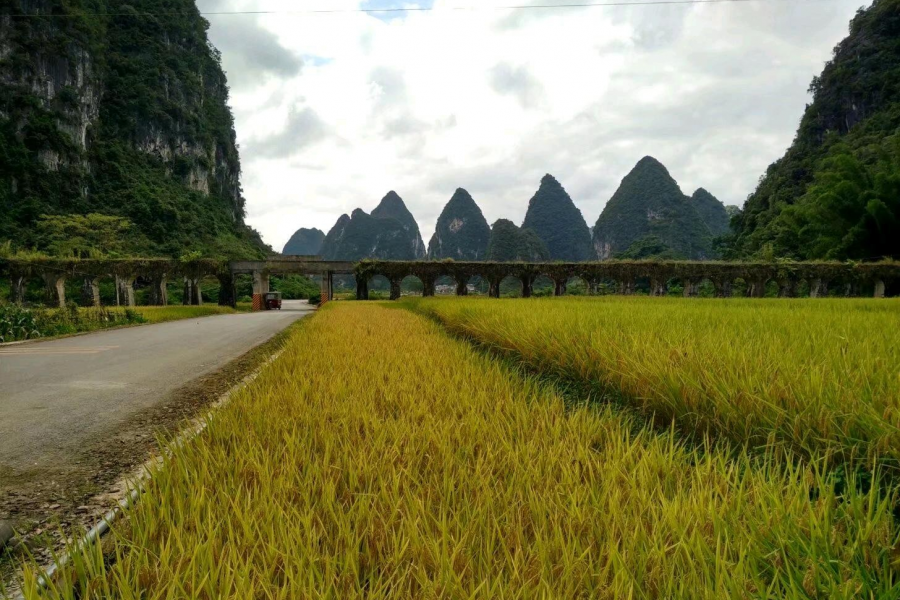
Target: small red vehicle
column 273, row 300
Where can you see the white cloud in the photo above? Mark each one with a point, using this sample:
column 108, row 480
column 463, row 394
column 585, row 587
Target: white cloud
column 490, row 100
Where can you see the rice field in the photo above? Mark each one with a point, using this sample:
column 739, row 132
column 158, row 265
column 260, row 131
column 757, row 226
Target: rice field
column 819, row 377
column 379, row 457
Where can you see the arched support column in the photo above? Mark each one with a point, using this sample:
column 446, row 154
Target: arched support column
column 125, row 290
column 723, row 288
column 90, row 292
column 158, row 294
column 658, row 287
column 691, row 288
column 757, row 288
column 818, row 288
column 559, row 287
column 55, row 287
column 787, row 288
column 227, row 292
column 260, row 289
column 625, row 287
column 362, row 287
column 593, row 287
column 428, row 282
column 879, row 288
column 193, row 296
column 494, row 286
column 17, row 289
column 327, row 287
column 527, row 285
column 462, row 286
column 395, row 288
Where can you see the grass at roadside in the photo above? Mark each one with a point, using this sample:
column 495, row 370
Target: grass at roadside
column 17, row 324
column 377, row 457
column 819, row 376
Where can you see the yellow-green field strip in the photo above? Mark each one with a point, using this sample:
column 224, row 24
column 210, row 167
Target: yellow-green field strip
column 820, row 377
column 379, row 458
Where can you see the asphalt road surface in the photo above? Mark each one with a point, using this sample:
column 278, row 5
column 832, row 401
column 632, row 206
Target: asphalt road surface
column 54, row 395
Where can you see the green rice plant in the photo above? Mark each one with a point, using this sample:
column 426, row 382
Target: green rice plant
column 818, row 376
column 379, row 458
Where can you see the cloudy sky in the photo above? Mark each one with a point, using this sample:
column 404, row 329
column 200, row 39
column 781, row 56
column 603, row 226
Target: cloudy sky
column 334, row 110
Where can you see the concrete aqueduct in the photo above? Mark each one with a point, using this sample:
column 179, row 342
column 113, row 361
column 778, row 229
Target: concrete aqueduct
column 850, row 279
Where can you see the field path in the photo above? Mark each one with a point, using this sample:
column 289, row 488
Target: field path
column 57, row 394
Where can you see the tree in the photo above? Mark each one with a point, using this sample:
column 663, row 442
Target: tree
column 82, row 236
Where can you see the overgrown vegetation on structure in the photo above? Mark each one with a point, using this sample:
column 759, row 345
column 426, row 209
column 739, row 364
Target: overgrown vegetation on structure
column 427, row 469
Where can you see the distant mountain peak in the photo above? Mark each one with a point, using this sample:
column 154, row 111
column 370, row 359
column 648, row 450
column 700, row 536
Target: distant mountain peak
column 389, row 232
column 462, row 232
column 556, row 220
column 304, row 242
column 649, row 205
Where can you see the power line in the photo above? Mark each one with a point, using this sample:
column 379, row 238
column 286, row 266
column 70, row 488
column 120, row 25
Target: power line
column 410, row 9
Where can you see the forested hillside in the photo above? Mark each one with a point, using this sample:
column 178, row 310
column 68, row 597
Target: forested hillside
column 649, row 216
column 462, row 232
column 108, row 109
column 835, row 192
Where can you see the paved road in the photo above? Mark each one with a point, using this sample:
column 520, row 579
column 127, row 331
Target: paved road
column 56, row 394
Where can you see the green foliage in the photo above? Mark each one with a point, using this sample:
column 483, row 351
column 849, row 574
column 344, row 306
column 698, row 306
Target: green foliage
column 294, row 287
column 511, row 244
column 315, row 299
column 461, row 233
column 851, row 210
column 17, row 323
column 650, row 205
column 82, row 236
column 558, row 223
column 855, row 107
column 649, row 246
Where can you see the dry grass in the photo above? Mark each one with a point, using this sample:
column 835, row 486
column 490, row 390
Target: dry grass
column 379, row 458
column 819, row 376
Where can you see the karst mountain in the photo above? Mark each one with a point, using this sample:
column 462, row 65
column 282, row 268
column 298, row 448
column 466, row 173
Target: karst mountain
column 389, row 233
column 650, row 210
column 462, row 232
column 558, row 223
column 304, row 242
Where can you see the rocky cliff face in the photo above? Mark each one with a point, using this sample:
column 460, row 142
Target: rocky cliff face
column 557, row 221
column 462, row 232
column 380, row 235
column 304, row 242
column 106, row 108
column 510, row 244
column 648, row 210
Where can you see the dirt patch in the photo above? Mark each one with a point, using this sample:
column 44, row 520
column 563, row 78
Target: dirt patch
column 47, row 505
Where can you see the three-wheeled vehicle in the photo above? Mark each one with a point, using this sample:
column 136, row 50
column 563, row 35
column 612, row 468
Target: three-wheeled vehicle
column 273, row 300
